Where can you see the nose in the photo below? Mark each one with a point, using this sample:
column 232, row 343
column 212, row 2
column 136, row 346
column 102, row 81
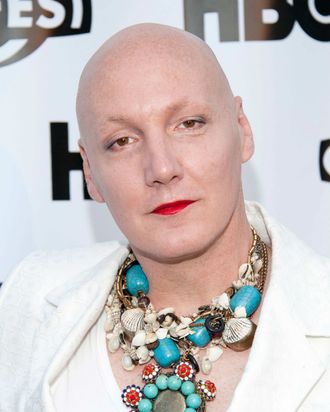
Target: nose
column 162, row 162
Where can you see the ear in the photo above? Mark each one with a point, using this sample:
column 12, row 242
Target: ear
column 94, row 193
column 247, row 143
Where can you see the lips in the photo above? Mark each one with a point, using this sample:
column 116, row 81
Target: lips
column 172, row 208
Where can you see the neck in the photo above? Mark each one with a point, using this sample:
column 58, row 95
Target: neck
column 192, row 283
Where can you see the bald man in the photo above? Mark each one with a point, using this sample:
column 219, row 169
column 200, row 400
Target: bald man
column 162, row 140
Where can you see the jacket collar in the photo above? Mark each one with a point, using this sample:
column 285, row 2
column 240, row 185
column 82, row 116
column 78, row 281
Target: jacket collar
column 282, row 367
column 71, row 311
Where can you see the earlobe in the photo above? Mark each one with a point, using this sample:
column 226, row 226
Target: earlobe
column 94, row 193
column 246, row 135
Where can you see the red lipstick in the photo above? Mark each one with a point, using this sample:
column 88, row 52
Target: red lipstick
column 172, row 208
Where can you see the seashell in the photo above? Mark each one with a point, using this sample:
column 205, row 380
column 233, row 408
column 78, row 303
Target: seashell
column 181, row 331
column 165, row 311
column 127, row 362
column 240, row 312
column 143, row 361
column 244, row 270
column 173, row 326
column 150, row 318
column 185, row 320
column 168, row 321
column 151, row 337
column 213, row 353
column 206, row 365
column 115, row 310
column 155, row 326
column 132, row 321
column 257, row 265
column 184, row 332
column 135, row 301
column 161, row 333
column 238, row 333
column 109, row 324
column 113, row 342
column 132, row 353
column 222, row 300
column 148, row 328
column 139, row 339
column 118, row 329
column 238, row 284
column 255, row 256
column 142, row 352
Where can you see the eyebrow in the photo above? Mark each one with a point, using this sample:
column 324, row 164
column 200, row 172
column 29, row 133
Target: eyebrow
column 169, row 109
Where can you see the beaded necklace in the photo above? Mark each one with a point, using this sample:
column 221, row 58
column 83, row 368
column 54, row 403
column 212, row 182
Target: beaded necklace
column 175, row 342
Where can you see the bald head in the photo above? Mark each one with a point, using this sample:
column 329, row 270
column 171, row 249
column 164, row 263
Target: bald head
column 136, row 53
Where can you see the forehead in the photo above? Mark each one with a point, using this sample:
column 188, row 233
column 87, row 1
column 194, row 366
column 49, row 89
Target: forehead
column 156, row 85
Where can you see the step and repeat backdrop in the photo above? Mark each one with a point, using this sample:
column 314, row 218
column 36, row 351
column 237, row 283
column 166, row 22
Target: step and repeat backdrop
column 276, row 54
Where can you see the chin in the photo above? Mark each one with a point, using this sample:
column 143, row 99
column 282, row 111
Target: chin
column 175, row 250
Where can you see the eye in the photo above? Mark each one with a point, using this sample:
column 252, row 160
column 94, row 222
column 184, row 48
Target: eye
column 121, row 141
column 192, row 123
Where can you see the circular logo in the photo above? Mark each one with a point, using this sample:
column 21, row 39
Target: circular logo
column 25, row 25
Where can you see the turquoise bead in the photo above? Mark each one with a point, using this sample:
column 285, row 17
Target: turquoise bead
column 201, row 337
column 145, row 405
column 161, row 382
column 150, row 391
column 136, row 280
column 166, row 352
column 190, row 410
column 194, row 401
column 247, row 296
column 187, row 388
column 174, row 383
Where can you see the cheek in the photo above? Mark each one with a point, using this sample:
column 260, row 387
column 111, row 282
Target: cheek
column 119, row 188
column 219, row 163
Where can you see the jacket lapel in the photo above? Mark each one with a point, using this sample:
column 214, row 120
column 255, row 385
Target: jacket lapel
column 71, row 311
column 283, row 368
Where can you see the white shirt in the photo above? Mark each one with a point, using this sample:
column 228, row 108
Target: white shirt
column 87, row 383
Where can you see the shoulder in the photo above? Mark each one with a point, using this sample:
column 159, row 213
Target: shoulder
column 24, row 309
column 51, row 267
column 44, row 270
column 297, row 270
column 277, row 235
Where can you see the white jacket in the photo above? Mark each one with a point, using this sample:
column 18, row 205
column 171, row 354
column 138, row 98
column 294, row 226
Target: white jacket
column 52, row 298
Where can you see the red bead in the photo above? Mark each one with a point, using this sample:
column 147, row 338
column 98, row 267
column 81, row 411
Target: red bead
column 210, row 386
column 131, row 395
column 148, row 369
column 206, row 389
column 184, row 370
column 150, row 372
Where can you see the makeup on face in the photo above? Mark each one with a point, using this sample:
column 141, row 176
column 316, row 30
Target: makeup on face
column 172, row 208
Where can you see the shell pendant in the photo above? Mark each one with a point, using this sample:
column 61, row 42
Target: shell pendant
column 239, row 333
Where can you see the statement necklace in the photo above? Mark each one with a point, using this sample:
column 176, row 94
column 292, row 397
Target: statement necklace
column 176, row 342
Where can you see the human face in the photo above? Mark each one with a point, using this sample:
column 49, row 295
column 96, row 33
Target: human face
column 163, row 133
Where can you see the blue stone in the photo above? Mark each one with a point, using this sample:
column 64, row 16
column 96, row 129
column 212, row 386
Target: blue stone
column 174, row 383
column 145, row 405
column 194, row 401
column 161, row 382
column 166, row 352
column 188, row 388
column 247, row 296
column 150, row 391
column 201, row 337
column 136, row 280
